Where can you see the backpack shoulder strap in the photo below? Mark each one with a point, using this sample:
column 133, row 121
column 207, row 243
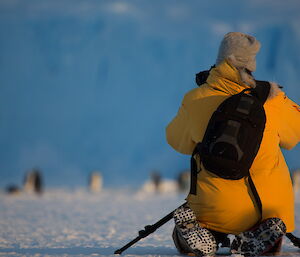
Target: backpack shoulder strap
column 194, row 169
column 262, row 90
column 255, row 195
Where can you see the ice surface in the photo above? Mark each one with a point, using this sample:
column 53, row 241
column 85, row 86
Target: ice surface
column 80, row 223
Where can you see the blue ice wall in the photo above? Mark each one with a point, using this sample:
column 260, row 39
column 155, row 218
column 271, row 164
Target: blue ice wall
column 91, row 85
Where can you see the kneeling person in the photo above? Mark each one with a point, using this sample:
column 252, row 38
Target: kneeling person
column 218, row 206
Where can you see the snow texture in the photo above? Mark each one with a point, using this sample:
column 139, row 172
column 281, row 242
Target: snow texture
column 80, row 223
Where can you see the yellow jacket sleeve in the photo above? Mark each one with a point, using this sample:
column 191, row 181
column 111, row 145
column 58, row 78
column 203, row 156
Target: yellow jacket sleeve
column 289, row 123
column 178, row 132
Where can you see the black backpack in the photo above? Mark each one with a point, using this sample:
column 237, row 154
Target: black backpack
column 233, row 136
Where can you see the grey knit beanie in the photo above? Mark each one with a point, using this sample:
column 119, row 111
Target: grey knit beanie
column 240, row 48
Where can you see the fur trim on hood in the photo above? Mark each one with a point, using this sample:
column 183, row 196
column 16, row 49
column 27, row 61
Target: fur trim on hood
column 249, row 80
column 246, row 77
column 274, row 90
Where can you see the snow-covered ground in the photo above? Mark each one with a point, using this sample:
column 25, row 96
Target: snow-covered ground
column 81, row 223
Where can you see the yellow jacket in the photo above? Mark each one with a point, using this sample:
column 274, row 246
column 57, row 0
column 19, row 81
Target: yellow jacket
column 226, row 205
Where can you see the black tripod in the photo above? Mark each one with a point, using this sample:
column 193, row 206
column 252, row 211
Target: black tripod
column 149, row 229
